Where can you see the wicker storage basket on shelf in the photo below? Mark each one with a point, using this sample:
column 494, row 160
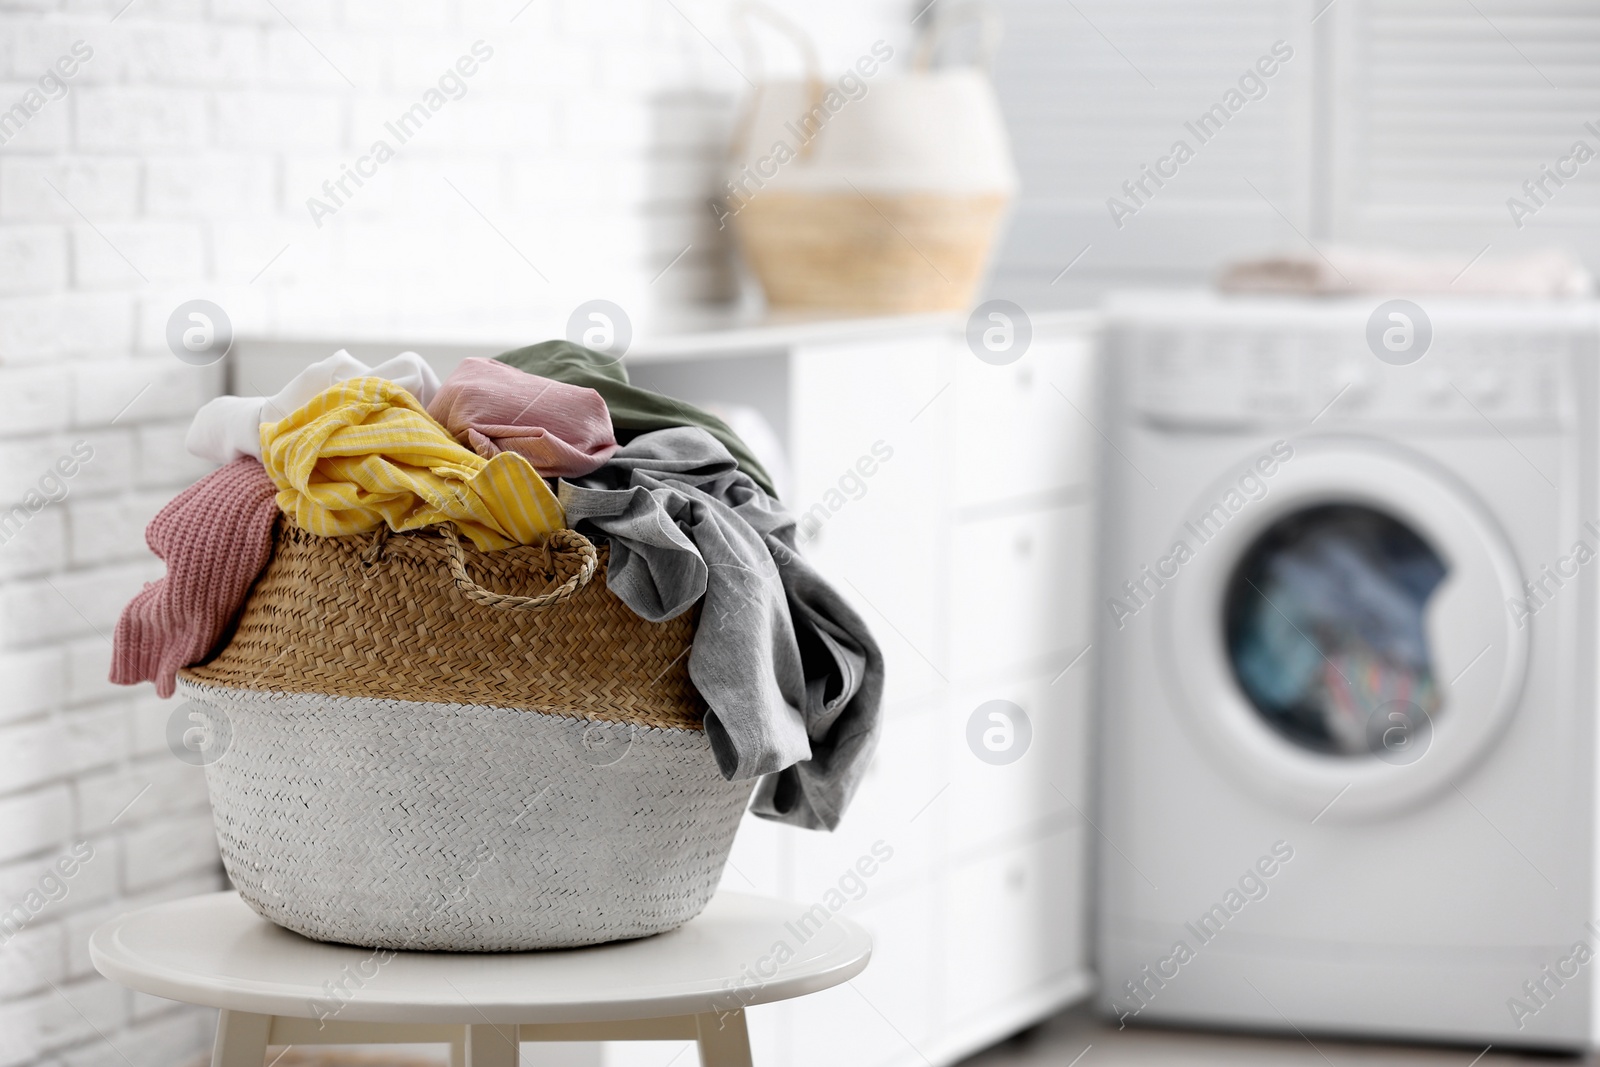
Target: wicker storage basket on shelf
column 877, row 192
column 409, row 760
column 869, row 252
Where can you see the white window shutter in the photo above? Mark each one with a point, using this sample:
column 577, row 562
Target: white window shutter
column 1441, row 109
column 1094, row 90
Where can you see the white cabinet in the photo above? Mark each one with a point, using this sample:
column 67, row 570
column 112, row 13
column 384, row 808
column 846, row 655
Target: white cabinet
column 1016, row 935
column 1017, row 582
column 889, row 1014
column 1022, row 430
column 871, row 473
column 989, row 804
column 949, row 501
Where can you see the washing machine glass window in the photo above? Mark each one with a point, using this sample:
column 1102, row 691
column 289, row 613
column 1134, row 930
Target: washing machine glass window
column 1326, row 631
column 1351, row 530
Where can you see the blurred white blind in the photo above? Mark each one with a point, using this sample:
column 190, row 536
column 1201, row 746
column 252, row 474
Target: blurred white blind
column 1094, row 90
column 1397, row 122
column 1442, row 109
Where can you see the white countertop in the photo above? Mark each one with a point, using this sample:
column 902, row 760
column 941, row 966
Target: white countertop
column 261, row 365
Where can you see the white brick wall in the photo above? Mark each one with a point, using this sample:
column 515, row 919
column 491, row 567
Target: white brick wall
column 178, row 166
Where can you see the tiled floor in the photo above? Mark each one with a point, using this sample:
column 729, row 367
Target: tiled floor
column 1079, row 1038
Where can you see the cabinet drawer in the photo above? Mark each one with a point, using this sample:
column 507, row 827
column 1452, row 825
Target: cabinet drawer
column 903, row 802
column 888, row 575
column 988, row 803
column 885, row 1016
column 869, row 455
column 1017, row 922
column 1020, row 590
column 1022, row 429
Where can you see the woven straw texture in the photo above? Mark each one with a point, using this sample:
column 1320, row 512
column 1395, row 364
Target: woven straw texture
column 418, row 825
column 366, row 616
column 901, row 252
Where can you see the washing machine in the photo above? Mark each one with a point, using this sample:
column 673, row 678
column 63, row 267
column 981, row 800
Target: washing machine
column 1348, row 752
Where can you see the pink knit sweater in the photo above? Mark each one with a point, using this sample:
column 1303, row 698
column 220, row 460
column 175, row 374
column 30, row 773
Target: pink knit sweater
column 216, row 537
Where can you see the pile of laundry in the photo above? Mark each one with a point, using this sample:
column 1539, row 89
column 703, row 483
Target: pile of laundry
column 1327, row 628
column 508, row 450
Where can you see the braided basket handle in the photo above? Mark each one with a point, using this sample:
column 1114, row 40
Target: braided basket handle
column 565, row 540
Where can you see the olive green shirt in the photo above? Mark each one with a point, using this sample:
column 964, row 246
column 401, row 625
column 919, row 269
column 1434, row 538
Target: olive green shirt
column 633, row 410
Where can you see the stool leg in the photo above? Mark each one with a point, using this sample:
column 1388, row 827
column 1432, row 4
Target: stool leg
column 458, row 1049
column 724, row 1041
column 241, row 1039
column 492, row 1046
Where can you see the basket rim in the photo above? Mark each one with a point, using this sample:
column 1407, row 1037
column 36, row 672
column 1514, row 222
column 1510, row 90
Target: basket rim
column 635, row 675
column 284, row 696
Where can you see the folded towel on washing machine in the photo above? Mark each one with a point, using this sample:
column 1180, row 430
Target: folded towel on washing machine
column 1545, row 274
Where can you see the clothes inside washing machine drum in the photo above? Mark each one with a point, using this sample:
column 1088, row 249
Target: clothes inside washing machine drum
column 1325, row 626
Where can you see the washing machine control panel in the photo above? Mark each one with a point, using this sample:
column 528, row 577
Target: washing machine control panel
column 1208, row 374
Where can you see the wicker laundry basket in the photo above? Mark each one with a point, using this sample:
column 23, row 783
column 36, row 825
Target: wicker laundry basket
column 414, row 756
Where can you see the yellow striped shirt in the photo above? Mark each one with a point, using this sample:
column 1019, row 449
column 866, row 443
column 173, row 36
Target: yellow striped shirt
column 365, row 452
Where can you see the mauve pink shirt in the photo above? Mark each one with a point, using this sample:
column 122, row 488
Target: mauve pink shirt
column 492, row 407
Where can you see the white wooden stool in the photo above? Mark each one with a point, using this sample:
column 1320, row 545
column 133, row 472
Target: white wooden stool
column 275, row 987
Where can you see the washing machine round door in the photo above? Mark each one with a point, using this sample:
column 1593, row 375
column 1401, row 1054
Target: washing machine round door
column 1343, row 644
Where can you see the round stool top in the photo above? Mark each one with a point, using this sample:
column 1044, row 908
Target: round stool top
column 742, row 950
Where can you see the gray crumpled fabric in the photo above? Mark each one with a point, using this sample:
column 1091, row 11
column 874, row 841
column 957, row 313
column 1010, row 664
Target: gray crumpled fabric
column 791, row 676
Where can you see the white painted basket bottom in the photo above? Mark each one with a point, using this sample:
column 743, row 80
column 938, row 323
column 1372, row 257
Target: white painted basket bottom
column 403, row 825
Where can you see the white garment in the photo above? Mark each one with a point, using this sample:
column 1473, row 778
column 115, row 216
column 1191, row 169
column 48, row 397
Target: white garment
column 230, row 426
